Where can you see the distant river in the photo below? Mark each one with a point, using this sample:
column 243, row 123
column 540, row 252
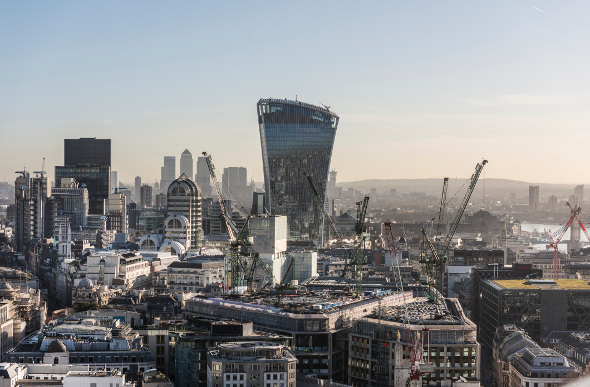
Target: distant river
column 542, row 228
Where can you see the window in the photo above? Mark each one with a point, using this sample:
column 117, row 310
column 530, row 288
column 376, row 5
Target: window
column 160, row 339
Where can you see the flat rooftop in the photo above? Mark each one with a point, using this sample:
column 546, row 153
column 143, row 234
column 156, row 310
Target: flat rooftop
column 563, row 284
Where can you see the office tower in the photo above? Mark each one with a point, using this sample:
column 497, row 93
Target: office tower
column 114, row 182
column 186, row 164
column 203, row 177
column 168, row 172
column 117, row 212
column 579, row 192
column 534, row 198
column 146, row 196
column 22, row 201
column 67, row 207
column 184, row 216
column 234, row 185
column 296, row 139
column 137, row 189
column 513, row 198
column 30, row 201
column 88, row 161
column 373, row 195
column 393, row 193
column 331, row 188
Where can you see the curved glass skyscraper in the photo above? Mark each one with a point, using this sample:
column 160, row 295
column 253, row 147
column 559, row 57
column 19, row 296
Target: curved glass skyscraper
column 296, row 138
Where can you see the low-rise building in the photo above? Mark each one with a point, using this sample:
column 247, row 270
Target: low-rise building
column 540, row 367
column 508, row 341
column 193, row 276
column 100, row 344
column 251, row 364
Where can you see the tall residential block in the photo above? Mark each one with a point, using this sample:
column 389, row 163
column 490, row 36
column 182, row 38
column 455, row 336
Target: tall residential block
column 186, row 164
column 297, row 141
column 534, row 198
column 88, row 161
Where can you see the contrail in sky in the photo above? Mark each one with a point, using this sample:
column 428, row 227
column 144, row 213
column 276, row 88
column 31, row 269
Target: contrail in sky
column 540, row 10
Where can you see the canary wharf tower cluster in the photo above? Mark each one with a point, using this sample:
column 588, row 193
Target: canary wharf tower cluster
column 297, row 140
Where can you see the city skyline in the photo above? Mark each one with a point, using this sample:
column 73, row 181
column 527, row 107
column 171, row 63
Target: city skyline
column 409, row 84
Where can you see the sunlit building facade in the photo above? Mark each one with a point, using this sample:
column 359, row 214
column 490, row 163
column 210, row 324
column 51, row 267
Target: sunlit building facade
column 297, row 140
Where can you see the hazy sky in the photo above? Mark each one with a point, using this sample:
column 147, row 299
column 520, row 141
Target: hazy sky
column 423, row 88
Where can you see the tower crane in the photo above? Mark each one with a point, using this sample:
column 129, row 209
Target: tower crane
column 356, row 260
column 435, row 265
column 42, row 171
column 559, row 234
column 416, row 339
column 240, row 245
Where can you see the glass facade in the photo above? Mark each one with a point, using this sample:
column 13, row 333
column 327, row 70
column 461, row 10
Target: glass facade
column 296, row 138
column 97, row 180
column 87, row 151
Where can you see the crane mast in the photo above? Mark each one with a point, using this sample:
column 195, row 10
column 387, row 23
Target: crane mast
column 559, row 234
column 435, row 266
column 241, row 248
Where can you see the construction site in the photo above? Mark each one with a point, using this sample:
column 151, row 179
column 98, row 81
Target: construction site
column 347, row 327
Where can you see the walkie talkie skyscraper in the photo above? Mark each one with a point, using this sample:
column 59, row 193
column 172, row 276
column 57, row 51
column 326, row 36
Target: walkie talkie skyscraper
column 296, row 138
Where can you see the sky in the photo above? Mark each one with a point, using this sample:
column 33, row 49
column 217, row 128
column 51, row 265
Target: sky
column 424, row 89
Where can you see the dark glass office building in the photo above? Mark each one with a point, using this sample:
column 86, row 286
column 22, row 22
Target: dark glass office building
column 296, row 138
column 87, row 151
column 88, row 160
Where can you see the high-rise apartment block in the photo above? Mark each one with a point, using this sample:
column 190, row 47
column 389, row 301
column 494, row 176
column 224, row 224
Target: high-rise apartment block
column 168, row 172
column 534, row 198
column 297, row 140
column 88, row 161
column 186, row 163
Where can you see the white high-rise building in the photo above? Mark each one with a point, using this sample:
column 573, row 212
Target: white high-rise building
column 270, row 242
column 186, row 163
column 114, row 182
column 182, row 228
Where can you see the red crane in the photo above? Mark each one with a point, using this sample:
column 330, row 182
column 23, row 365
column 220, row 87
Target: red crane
column 577, row 213
column 415, row 342
column 556, row 238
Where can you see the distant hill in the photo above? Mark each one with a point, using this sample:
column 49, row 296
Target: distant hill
column 493, row 187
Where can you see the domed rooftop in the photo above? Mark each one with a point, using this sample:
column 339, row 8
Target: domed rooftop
column 57, row 346
column 184, row 186
column 85, row 283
